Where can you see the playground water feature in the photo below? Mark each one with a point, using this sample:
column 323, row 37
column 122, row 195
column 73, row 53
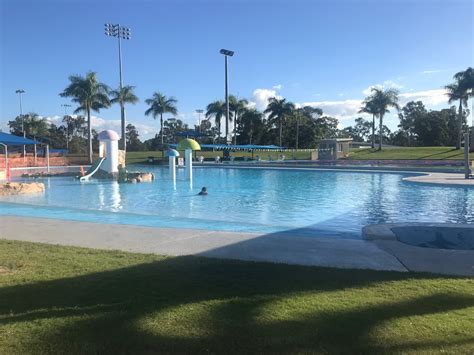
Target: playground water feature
column 305, row 202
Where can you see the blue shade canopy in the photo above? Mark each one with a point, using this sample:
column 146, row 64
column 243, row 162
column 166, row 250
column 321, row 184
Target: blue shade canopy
column 237, row 147
column 10, row 139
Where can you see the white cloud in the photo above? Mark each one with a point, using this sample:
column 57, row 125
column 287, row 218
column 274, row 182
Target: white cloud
column 433, row 71
column 261, row 96
column 387, row 84
column 342, row 110
column 277, row 87
column 429, row 97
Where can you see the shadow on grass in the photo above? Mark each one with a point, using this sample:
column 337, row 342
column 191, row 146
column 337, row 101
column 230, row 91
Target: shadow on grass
column 104, row 312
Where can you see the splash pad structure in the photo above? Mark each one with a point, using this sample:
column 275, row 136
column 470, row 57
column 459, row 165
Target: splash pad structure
column 111, row 162
column 188, row 145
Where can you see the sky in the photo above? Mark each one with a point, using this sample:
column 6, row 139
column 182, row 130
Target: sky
column 327, row 54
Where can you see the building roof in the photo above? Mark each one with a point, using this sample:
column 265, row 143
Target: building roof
column 10, row 139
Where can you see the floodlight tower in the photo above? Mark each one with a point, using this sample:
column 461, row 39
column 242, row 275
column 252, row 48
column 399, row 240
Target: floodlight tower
column 20, row 92
column 120, row 32
column 199, row 112
column 226, row 53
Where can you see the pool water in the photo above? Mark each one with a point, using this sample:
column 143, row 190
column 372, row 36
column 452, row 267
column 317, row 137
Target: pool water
column 308, row 202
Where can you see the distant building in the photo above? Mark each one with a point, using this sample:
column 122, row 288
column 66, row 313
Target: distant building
column 333, row 148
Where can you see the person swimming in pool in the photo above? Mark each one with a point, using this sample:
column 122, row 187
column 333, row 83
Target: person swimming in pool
column 203, row 192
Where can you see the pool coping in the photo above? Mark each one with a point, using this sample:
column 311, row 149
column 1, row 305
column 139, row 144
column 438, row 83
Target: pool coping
column 414, row 258
column 450, row 179
column 274, row 247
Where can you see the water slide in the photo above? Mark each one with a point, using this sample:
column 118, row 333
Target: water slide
column 92, row 170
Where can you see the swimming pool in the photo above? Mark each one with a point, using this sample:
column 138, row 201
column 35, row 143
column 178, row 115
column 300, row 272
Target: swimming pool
column 309, row 202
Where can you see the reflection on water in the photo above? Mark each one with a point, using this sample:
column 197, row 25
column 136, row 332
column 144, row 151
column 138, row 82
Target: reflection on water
column 339, row 202
column 109, row 196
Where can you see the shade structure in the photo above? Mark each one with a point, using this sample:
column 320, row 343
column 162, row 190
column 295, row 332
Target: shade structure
column 10, row 139
column 188, row 143
column 235, row 147
column 7, row 140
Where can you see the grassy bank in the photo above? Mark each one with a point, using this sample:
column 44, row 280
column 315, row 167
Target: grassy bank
column 71, row 300
column 402, row 153
column 406, row 153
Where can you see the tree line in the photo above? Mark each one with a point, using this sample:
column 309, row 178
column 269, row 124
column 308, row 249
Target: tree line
column 281, row 122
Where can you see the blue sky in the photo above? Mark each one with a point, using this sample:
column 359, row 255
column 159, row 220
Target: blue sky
column 324, row 53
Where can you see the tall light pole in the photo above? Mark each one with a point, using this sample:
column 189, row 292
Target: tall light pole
column 121, row 32
column 199, row 112
column 67, row 124
column 226, row 53
column 19, row 92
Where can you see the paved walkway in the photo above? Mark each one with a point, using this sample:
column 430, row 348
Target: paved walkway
column 442, row 179
column 281, row 248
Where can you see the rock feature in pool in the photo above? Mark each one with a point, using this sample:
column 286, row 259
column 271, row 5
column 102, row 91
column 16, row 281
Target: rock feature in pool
column 440, row 237
column 21, row 188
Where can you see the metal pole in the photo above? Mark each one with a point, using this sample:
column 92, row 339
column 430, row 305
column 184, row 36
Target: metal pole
column 226, row 104
column 467, row 168
column 122, row 108
column 47, row 158
column 297, row 130
column 22, row 122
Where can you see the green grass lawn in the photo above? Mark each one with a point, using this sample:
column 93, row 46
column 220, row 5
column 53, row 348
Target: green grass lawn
column 402, row 153
column 72, row 300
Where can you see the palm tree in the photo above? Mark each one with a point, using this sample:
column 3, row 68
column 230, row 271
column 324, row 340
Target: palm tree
column 123, row 96
column 237, row 107
column 160, row 104
column 249, row 119
column 279, row 110
column 382, row 99
column 368, row 107
column 90, row 95
column 458, row 91
column 217, row 110
column 35, row 125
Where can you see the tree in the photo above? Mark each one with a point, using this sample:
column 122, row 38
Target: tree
column 123, row 96
column 57, row 136
column 133, row 142
column 160, row 104
column 409, row 115
column 217, row 110
column 75, row 126
column 461, row 90
column 91, row 95
column 278, row 111
column 34, row 125
column 251, row 123
column 369, row 107
column 382, row 99
column 359, row 132
column 237, row 107
column 466, row 80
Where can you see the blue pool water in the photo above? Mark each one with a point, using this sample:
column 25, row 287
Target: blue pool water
column 323, row 203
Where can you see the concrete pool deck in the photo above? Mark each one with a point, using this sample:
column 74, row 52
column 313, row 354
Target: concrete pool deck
column 441, row 179
column 279, row 247
column 422, row 259
column 380, row 252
